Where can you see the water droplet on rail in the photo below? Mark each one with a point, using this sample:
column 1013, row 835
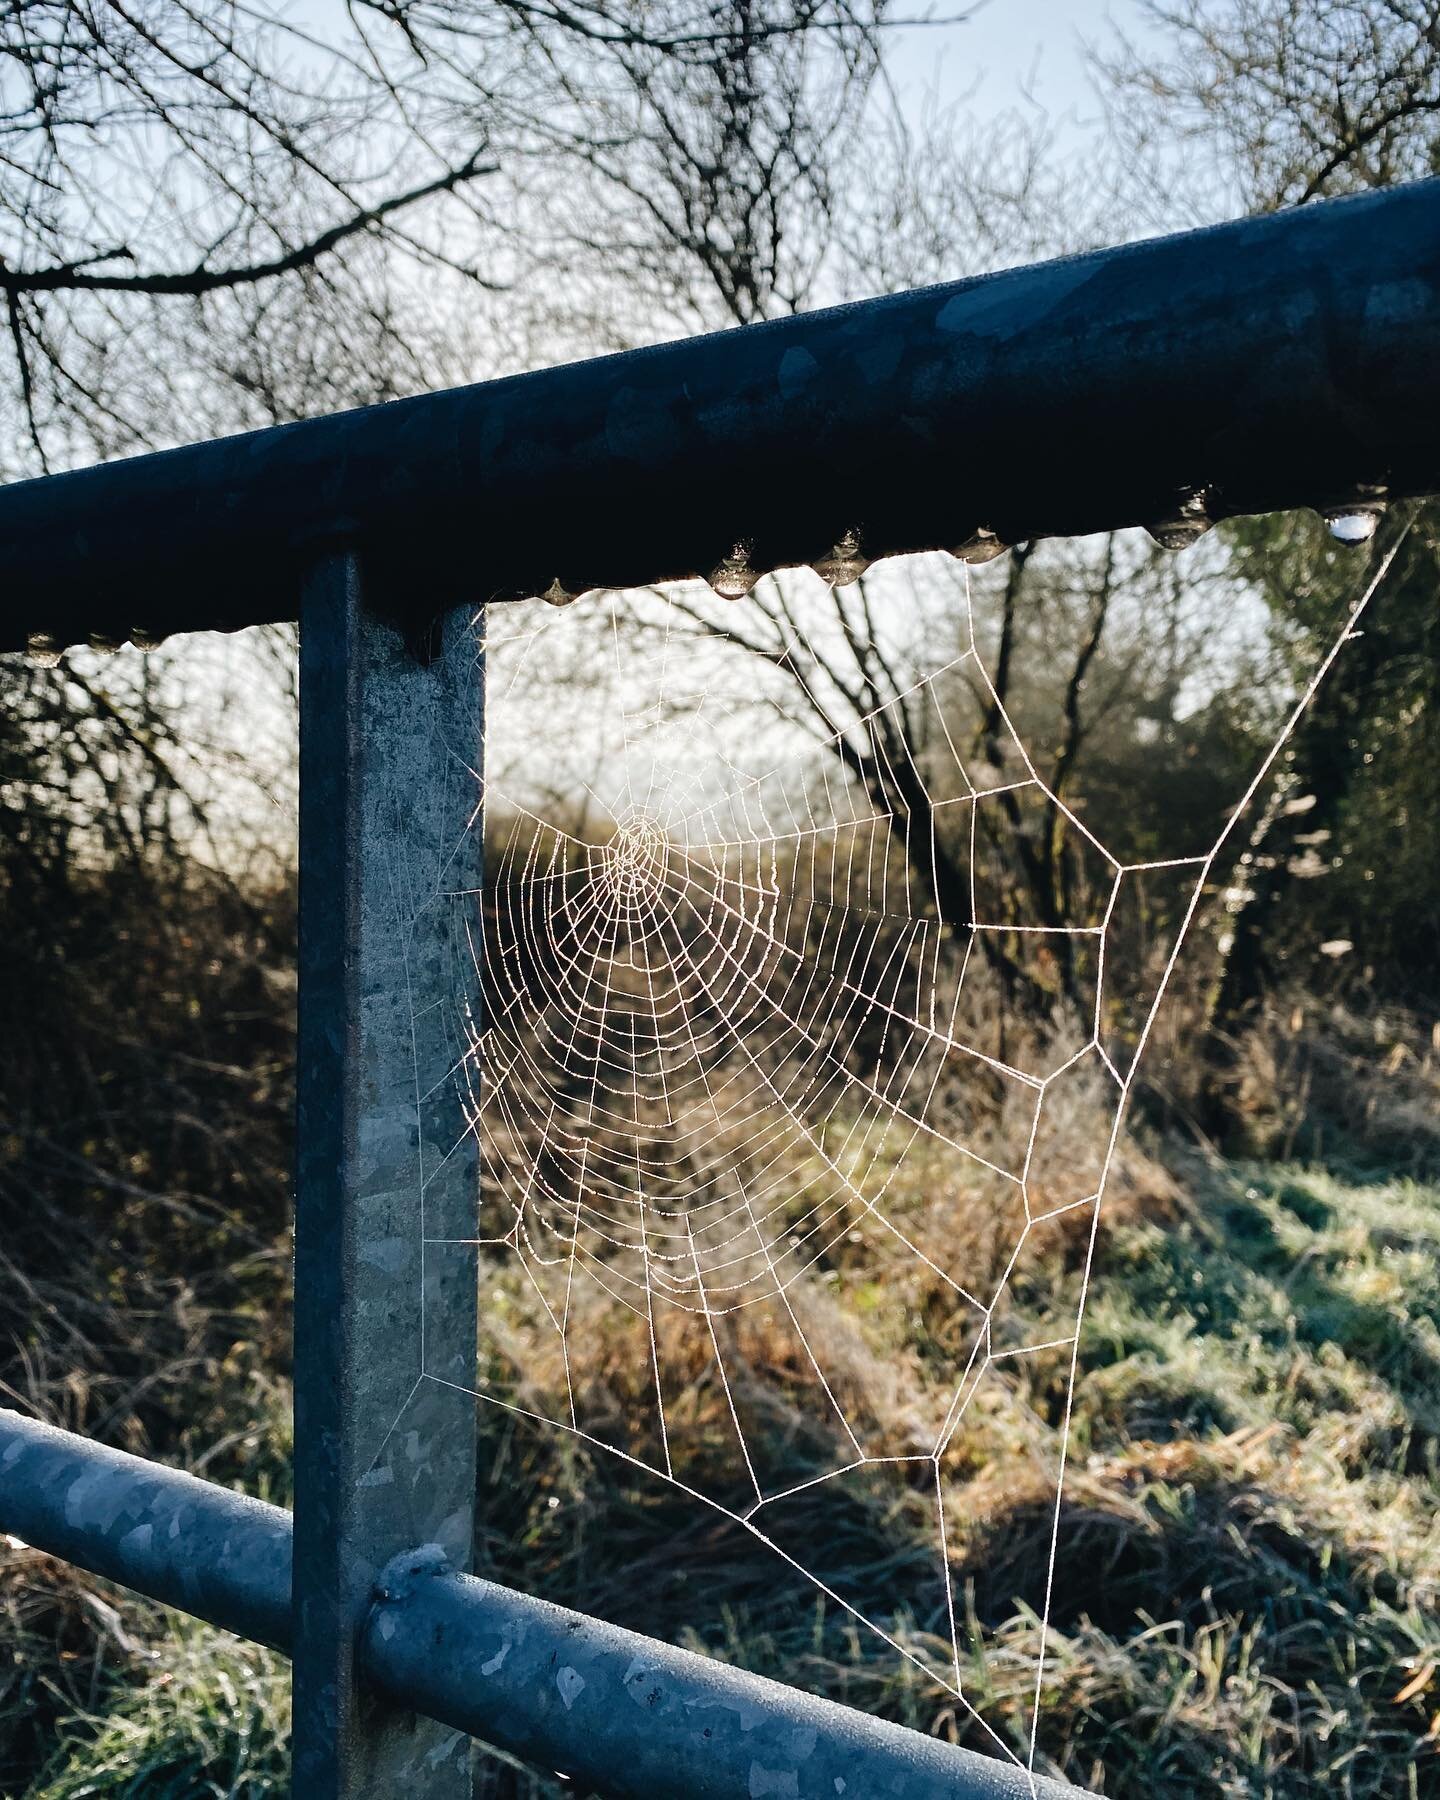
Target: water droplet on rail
column 982, row 546
column 1173, row 535
column 557, row 594
column 43, row 650
column 1190, row 520
column 143, row 638
column 734, row 578
column 1353, row 526
column 103, row 642
column 845, row 563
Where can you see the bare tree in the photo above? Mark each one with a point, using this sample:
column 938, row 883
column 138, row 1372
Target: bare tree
column 175, row 178
column 935, row 202
column 1286, row 100
column 1271, row 103
column 222, row 216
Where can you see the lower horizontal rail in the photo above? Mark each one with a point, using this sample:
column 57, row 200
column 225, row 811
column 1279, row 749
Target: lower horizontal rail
column 632, row 1717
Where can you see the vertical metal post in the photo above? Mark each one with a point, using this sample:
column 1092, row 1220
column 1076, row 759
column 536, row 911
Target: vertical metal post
column 386, row 1172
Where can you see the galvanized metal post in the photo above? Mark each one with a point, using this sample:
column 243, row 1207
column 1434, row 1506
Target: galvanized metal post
column 390, row 852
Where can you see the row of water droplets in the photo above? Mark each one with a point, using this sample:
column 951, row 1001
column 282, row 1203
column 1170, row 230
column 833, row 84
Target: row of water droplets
column 735, row 576
column 1352, row 525
column 45, row 651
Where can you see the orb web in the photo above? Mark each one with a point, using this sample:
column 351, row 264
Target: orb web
column 749, row 1061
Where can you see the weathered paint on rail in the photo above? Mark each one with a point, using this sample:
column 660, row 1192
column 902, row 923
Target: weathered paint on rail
column 638, row 1719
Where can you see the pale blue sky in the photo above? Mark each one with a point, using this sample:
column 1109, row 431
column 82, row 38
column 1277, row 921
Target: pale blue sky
column 1009, row 47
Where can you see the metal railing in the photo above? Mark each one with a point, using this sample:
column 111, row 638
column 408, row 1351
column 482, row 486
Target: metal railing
column 607, row 1707
column 1278, row 362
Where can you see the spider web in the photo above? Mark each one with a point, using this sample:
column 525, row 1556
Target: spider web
column 741, row 1076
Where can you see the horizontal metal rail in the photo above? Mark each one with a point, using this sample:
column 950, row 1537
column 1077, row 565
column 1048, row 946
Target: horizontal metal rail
column 1276, row 362
column 216, row 1554
column 632, row 1717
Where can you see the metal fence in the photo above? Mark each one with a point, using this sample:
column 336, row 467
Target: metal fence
column 1288, row 361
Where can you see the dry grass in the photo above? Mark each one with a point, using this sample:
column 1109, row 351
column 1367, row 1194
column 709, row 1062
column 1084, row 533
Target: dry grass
column 1249, row 1546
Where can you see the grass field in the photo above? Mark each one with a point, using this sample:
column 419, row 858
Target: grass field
column 1250, row 1552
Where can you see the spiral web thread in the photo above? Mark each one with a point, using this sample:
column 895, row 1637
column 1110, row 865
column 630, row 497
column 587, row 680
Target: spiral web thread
column 721, row 1019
